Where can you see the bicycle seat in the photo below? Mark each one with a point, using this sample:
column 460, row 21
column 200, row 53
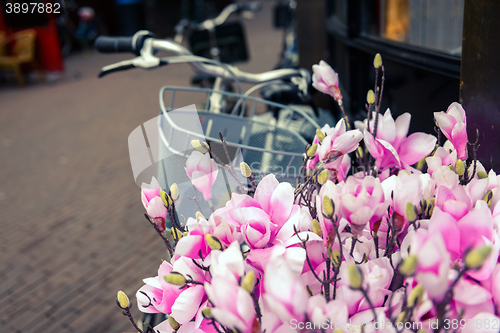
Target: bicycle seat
column 286, row 93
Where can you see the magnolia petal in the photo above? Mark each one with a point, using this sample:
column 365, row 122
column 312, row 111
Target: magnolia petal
column 416, row 146
column 187, row 304
column 402, row 126
column 445, row 122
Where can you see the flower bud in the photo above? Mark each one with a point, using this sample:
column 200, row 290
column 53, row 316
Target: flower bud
column 355, row 276
column 248, row 282
column 481, row 174
column 175, row 279
column 488, row 197
column 173, row 323
column 430, row 206
column 165, row 198
column 213, row 242
column 207, row 313
column 199, row 215
column 370, row 97
column 408, row 265
column 123, row 300
column 320, row 135
column 245, row 170
column 312, row 150
column 460, row 167
column 476, row 258
column 336, row 260
column 323, row 176
column 410, row 212
column 327, row 206
column 401, row 318
column 174, row 191
column 316, row 228
column 199, row 146
column 415, row 296
column 174, row 231
column 377, row 61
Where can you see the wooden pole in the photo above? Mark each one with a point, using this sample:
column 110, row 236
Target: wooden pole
column 480, row 78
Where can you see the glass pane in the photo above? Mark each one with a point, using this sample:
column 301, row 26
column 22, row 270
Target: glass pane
column 430, row 24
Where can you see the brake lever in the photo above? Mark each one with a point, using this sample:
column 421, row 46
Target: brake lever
column 145, row 60
column 119, row 66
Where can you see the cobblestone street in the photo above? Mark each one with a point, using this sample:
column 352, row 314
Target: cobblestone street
column 72, row 227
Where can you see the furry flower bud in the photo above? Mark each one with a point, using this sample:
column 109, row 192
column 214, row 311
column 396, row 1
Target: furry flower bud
column 460, row 167
column 248, row 282
column 323, row 176
column 355, row 276
column 410, row 212
column 175, row 279
column 174, row 191
column 312, row 150
column 481, row 174
column 200, row 146
column 245, row 170
column 377, row 61
column 327, row 206
column 320, row 135
column 488, row 197
column 174, row 231
column 213, row 242
column 415, row 296
column 408, row 265
column 370, row 97
column 167, row 201
column 316, row 227
column 476, row 258
column 173, row 323
column 123, row 300
column 207, row 313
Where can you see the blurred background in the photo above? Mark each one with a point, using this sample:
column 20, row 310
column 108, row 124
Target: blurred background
column 72, row 226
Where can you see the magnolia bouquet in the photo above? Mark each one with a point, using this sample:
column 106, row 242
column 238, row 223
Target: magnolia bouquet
column 384, row 232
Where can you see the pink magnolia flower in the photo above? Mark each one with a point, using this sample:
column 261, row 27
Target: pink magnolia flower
column 202, row 170
column 332, row 191
column 471, row 299
column 159, row 296
column 261, row 218
column 446, row 155
column 233, row 305
column 284, row 291
column 433, row 263
column 377, row 277
column 150, row 191
column 150, row 197
column 337, row 143
column 320, row 312
column 453, row 124
column 362, row 202
column 228, row 263
column 199, row 325
column 195, row 243
column 405, row 188
column 391, row 147
column 454, row 201
column 326, row 80
column 476, row 226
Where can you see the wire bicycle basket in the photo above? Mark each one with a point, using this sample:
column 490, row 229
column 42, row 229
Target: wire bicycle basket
column 253, row 135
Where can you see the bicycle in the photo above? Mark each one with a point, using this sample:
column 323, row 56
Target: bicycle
column 264, row 145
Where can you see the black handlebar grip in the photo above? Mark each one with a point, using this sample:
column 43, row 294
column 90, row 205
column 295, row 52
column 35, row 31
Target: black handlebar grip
column 107, row 44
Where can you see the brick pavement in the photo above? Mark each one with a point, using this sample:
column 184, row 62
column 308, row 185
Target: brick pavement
column 71, row 227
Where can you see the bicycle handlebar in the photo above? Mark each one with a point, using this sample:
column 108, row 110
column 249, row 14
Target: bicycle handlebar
column 148, row 60
column 106, row 44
